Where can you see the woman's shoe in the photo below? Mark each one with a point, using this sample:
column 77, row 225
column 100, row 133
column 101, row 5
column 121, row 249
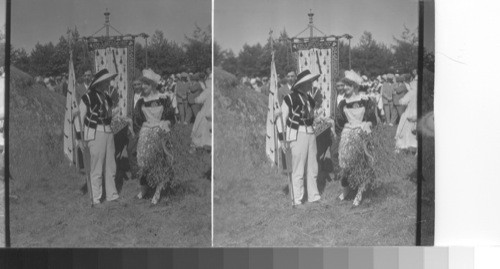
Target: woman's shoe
column 343, row 195
column 98, row 205
column 359, row 197
column 142, row 193
column 156, row 199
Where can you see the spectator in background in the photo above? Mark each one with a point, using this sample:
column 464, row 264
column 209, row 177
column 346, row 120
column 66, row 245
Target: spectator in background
column 201, row 135
column 256, row 84
column 64, row 84
column 182, row 95
column 376, row 97
column 286, row 88
column 195, row 89
column 400, row 90
column 265, row 86
column 82, row 88
column 340, row 91
column 387, row 92
column 414, row 79
column 406, row 138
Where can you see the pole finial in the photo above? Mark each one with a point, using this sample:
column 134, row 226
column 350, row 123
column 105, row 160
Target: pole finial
column 106, row 21
column 106, row 16
column 311, row 24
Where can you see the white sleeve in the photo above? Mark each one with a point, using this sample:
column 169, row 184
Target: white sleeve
column 284, row 112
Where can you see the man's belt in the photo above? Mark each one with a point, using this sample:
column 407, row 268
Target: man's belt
column 306, row 122
column 300, row 122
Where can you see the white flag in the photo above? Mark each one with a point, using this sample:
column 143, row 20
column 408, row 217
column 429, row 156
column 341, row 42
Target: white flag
column 71, row 108
column 272, row 143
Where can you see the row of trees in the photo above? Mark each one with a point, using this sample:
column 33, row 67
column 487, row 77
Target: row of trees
column 368, row 57
column 164, row 56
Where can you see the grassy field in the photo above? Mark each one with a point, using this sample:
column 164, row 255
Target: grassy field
column 251, row 203
column 50, row 211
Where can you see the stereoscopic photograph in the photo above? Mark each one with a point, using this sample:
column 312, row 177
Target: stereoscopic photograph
column 110, row 115
column 316, row 107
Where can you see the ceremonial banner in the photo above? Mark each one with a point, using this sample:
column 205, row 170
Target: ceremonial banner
column 115, row 60
column 71, row 108
column 272, row 143
column 117, row 55
column 320, row 56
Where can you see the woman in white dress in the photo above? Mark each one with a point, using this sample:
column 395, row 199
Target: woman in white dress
column 201, row 135
column 406, row 135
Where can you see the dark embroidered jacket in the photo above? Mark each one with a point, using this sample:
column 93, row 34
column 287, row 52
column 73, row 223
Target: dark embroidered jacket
column 167, row 114
column 97, row 114
column 297, row 111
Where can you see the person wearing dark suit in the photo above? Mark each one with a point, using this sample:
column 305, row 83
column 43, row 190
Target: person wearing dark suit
column 182, row 94
column 83, row 88
column 195, row 90
column 286, row 89
column 80, row 90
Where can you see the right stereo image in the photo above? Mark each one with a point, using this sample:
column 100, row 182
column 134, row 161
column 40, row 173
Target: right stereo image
column 323, row 123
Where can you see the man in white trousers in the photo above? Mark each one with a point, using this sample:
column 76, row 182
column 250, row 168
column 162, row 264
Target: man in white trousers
column 298, row 114
column 96, row 113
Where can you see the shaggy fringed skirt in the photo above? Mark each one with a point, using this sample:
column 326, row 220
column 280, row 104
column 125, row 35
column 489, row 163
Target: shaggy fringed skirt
column 154, row 163
column 356, row 169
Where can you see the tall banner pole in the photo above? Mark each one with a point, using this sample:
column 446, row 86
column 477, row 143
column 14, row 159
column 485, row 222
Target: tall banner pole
column 280, row 126
column 76, row 119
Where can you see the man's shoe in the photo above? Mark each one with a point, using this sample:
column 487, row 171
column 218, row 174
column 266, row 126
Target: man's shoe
column 116, row 200
column 98, row 205
column 83, row 189
column 299, row 206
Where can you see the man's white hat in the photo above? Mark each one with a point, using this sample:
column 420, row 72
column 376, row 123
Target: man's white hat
column 101, row 76
column 303, row 77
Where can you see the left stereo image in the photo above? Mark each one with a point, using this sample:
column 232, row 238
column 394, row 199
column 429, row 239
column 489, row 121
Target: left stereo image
column 110, row 123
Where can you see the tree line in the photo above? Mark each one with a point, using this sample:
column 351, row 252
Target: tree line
column 369, row 57
column 163, row 56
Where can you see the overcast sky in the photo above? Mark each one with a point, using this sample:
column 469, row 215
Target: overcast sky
column 43, row 21
column 240, row 22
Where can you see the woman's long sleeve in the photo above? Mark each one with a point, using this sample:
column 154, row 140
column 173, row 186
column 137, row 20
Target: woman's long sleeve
column 138, row 117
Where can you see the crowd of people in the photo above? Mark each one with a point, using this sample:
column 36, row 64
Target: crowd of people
column 362, row 103
column 159, row 104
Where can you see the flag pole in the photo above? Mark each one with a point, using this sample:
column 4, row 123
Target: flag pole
column 78, row 118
